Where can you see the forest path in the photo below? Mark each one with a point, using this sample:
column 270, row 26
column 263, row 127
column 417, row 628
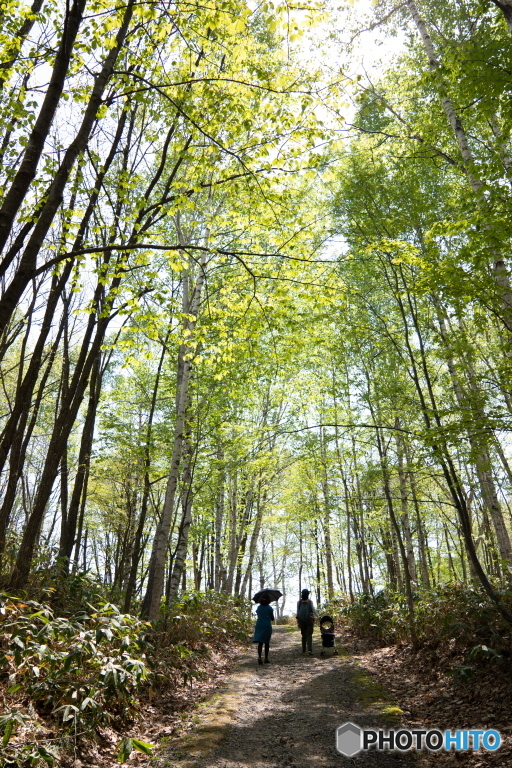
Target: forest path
column 284, row 714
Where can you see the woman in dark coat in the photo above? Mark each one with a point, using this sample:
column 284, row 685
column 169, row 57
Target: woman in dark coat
column 263, row 628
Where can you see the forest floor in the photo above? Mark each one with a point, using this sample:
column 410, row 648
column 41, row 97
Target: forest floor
column 422, row 685
column 284, row 714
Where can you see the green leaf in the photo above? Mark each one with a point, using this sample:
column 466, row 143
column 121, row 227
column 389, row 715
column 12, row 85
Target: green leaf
column 125, row 750
column 7, row 732
column 143, row 746
column 46, row 755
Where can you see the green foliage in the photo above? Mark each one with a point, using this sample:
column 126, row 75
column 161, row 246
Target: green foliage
column 89, row 669
column 451, row 615
column 382, row 617
column 128, row 745
column 201, row 619
column 85, row 670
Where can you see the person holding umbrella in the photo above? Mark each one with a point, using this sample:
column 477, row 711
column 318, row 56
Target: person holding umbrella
column 306, row 620
column 265, row 613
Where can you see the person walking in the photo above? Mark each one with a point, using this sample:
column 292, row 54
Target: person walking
column 306, row 620
column 263, row 628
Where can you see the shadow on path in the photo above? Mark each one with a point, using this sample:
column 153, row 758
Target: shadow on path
column 287, row 711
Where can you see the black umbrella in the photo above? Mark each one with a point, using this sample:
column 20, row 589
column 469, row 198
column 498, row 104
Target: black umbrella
column 269, row 594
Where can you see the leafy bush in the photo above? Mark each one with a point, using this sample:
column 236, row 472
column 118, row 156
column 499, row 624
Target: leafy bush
column 85, row 670
column 381, row 617
column 449, row 613
column 88, row 668
column 203, row 619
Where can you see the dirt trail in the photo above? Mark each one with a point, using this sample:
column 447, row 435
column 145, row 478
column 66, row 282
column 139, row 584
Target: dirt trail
column 284, row 714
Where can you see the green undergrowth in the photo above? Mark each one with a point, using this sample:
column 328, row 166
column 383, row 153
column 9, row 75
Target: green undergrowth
column 65, row 676
column 453, row 619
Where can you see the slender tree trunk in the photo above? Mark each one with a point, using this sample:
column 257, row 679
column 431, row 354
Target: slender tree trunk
column 301, row 557
column 500, row 271
column 81, row 516
column 406, row 525
column 20, row 184
column 442, row 455
column 387, row 545
column 20, row 445
column 63, row 425
column 233, row 542
column 349, row 537
column 137, row 544
column 12, row 201
column 422, row 537
column 180, row 557
column 219, row 519
column 155, row 587
column 482, row 460
column 394, row 522
column 260, row 507
column 68, row 530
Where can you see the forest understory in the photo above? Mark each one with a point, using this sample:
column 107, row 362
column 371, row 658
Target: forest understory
column 443, row 681
column 422, row 684
column 167, row 715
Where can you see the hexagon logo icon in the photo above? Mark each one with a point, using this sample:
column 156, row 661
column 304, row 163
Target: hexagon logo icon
column 348, row 739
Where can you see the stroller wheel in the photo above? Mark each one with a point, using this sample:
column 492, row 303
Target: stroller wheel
column 336, row 653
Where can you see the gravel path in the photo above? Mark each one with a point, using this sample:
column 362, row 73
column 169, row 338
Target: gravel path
column 287, row 711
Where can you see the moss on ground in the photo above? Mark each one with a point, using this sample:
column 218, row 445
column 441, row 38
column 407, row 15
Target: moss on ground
column 371, row 695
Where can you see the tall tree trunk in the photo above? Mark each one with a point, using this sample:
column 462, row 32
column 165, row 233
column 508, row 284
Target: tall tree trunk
column 349, row 553
column 137, row 543
column 12, row 201
column 20, row 445
column 441, row 452
column 480, row 452
column 422, row 537
column 219, row 519
column 63, row 425
column 406, row 525
column 500, row 271
column 156, row 576
column 387, row 494
column 20, row 184
column 68, row 529
column 180, row 556
column 260, row 507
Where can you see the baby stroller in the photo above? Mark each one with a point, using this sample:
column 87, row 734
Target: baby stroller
column 328, row 636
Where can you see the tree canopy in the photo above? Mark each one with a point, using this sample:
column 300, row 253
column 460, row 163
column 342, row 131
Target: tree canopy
column 255, row 306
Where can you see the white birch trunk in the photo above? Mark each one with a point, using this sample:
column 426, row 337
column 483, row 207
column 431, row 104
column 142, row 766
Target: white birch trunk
column 157, row 572
column 406, row 525
column 219, row 519
column 233, row 550
column 482, row 459
column 327, row 526
column 260, row 508
column 186, row 521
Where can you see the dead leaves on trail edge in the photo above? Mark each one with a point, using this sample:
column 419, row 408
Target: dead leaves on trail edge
column 423, row 684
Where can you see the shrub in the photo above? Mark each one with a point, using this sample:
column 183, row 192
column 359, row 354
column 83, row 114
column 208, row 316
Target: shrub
column 89, row 667
column 85, row 670
column 451, row 612
column 199, row 620
column 381, row 617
